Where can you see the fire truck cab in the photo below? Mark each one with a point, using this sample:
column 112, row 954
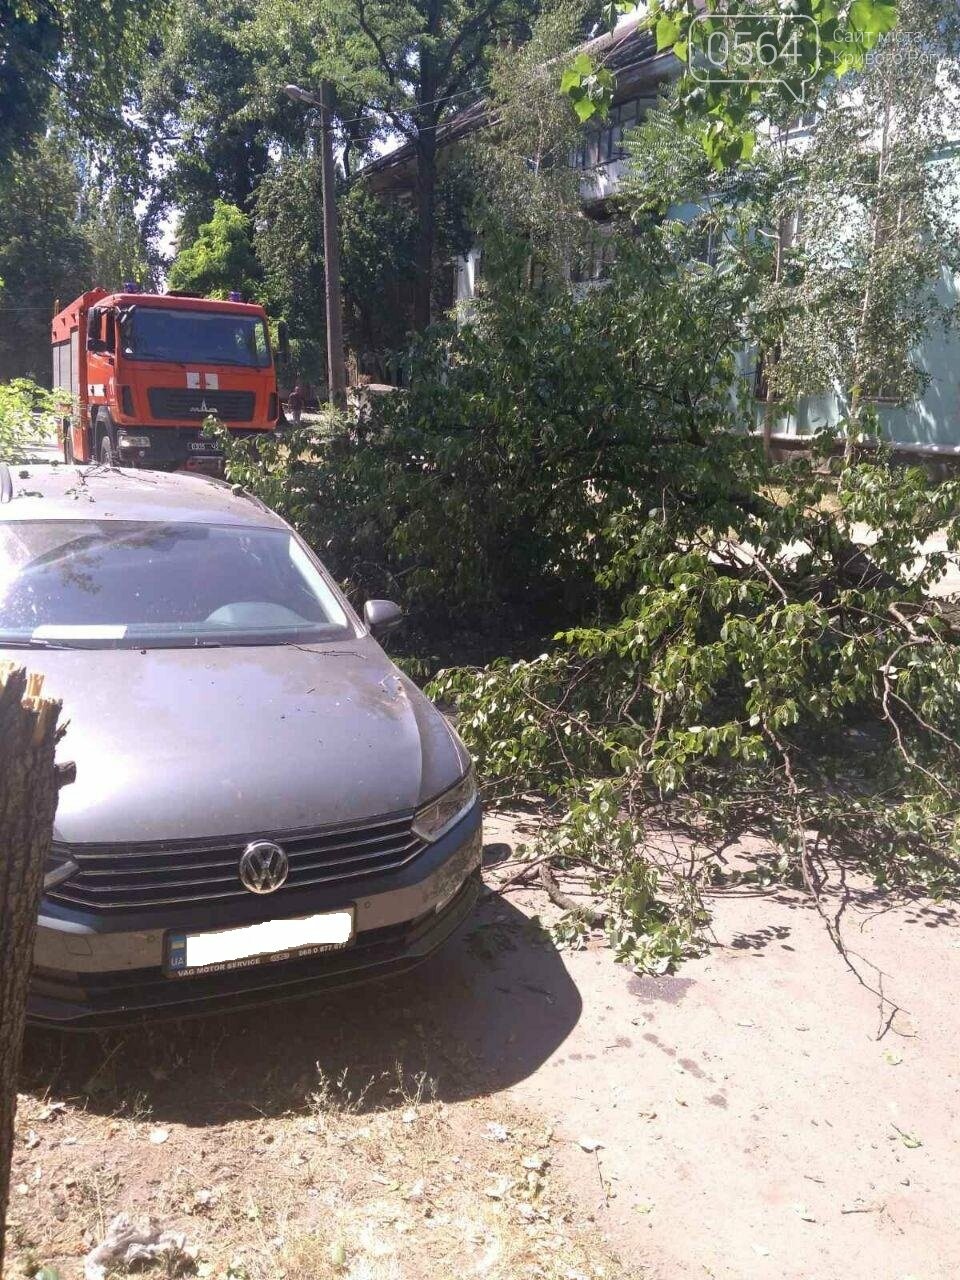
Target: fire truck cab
column 142, row 373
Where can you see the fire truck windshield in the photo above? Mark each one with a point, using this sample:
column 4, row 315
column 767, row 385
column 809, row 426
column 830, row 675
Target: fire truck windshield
column 193, row 337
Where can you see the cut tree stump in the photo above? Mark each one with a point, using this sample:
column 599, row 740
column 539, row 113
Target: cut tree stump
column 28, row 802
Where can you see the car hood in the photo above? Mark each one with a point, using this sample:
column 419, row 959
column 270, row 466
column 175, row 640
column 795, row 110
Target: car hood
column 180, row 743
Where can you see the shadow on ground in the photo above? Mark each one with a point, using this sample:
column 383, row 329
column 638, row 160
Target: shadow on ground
column 480, row 1015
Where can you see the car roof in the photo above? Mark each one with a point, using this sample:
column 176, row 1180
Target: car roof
column 52, row 491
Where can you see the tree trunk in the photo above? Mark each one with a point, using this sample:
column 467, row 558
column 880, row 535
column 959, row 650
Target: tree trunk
column 428, row 115
column 28, row 802
column 426, row 225
column 866, row 310
column 770, row 358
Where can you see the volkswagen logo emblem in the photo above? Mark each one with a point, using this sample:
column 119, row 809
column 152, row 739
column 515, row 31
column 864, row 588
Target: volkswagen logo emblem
column 263, row 867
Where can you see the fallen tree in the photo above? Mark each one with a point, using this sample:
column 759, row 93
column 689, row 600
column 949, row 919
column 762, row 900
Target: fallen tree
column 765, row 676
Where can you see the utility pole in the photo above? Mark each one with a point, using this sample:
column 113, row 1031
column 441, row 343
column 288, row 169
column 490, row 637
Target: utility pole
column 336, row 366
column 336, row 369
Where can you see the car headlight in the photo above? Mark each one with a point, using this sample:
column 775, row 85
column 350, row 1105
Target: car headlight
column 57, row 869
column 439, row 815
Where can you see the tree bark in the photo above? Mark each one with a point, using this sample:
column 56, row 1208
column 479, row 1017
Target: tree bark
column 426, row 225
column 770, row 357
column 28, row 802
column 866, row 310
column 428, row 114
column 336, row 365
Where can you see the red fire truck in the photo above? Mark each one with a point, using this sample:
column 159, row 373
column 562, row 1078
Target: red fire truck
column 143, row 372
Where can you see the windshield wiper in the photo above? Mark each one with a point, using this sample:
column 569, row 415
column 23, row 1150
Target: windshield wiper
column 35, row 644
column 133, row 641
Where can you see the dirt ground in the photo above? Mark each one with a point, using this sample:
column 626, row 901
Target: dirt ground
column 511, row 1111
column 777, row 1108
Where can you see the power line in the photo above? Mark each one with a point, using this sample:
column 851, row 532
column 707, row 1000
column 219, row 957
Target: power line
column 479, row 89
column 413, row 110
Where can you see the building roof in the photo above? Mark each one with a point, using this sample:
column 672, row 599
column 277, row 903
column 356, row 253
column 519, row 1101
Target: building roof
column 54, row 491
column 629, row 51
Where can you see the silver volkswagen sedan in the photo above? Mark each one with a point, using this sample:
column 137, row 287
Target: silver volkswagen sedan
column 264, row 805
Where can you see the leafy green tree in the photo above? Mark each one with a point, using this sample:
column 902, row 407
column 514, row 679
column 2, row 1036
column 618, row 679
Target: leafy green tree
column 30, row 42
column 878, row 228
column 119, row 248
column 210, row 121
column 410, row 67
column 846, row 232
column 377, row 255
column 27, row 415
column 221, row 258
column 44, row 255
column 528, row 202
column 74, row 58
column 378, row 245
column 518, row 436
column 288, row 242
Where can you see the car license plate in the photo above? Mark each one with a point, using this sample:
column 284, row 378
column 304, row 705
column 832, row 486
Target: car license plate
column 266, row 942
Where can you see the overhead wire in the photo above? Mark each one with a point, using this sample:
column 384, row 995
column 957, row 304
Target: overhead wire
column 475, row 89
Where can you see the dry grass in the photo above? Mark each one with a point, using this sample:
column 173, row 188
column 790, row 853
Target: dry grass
column 371, row 1178
column 364, row 1134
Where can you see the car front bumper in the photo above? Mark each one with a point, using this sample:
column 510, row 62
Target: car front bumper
column 92, row 970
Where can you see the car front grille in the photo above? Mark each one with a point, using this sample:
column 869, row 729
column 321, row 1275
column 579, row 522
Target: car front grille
column 134, row 876
column 175, row 403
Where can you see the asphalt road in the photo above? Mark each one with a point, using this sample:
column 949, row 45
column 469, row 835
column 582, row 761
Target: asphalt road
column 45, row 451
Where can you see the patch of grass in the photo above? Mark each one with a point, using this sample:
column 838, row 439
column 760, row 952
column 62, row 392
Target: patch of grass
column 369, row 1178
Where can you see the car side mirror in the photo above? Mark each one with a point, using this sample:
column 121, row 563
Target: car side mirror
column 382, row 616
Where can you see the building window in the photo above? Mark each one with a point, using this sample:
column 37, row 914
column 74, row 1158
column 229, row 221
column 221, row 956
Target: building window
column 595, row 262
column 885, row 387
column 804, row 122
column 706, row 246
column 603, row 143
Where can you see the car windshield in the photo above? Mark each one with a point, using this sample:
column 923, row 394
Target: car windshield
column 115, row 583
column 194, row 337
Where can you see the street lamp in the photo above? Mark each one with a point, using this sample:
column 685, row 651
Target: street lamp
column 336, row 368
column 300, row 95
